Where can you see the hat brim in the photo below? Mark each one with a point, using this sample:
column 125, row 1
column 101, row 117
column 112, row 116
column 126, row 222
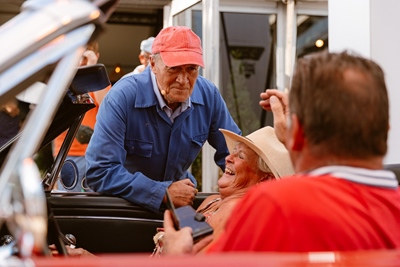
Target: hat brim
column 177, row 58
column 273, row 152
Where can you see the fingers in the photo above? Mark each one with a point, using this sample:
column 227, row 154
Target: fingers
column 53, row 250
column 191, row 184
column 265, row 97
column 182, row 192
column 88, row 58
column 277, row 109
column 202, row 244
column 178, row 242
column 280, row 120
column 78, row 252
column 277, row 102
column 168, row 222
column 188, row 182
column 264, row 103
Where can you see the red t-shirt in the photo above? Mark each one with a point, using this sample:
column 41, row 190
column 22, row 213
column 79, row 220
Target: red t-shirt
column 306, row 213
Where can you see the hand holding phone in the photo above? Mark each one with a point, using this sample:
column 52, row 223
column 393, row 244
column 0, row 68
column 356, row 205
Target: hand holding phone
column 187, row 216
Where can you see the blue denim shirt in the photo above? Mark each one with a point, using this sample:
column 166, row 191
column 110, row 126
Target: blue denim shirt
column 136, row 152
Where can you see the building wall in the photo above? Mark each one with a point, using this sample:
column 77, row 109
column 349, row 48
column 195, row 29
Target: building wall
column 372, row 32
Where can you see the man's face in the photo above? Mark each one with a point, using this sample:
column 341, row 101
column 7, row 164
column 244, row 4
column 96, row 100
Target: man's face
column 175, row 83
column 144, row 58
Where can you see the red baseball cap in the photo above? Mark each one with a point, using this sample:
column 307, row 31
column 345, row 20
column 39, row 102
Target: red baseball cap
column 178, row 45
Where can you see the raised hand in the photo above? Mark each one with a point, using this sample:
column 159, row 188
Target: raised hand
column 277, row 102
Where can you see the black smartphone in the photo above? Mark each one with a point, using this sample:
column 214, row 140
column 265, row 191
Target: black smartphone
column 187, row 216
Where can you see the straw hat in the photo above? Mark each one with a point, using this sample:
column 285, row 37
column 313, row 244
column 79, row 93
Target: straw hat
column 265, row 143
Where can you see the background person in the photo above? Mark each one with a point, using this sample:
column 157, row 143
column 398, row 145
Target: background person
column 144, row 56
column 80, row 143
column 10, row 121
column 341, row 199
column 151, row 127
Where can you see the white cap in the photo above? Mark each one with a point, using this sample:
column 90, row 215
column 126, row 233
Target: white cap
column 33, row 93
column 145, row 45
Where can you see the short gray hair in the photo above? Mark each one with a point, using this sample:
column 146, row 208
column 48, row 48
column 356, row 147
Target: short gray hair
column 156, row 57
column 262, row 165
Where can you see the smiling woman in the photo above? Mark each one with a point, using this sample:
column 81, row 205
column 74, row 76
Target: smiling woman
column 258, row 157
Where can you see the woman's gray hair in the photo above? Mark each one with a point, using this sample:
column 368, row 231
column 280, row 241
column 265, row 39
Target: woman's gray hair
column 262, row 165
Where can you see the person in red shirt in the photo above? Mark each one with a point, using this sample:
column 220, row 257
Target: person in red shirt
column 334, row 123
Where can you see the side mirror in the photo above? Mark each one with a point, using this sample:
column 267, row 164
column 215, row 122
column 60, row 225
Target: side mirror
column 90, row 79
column 69, row 174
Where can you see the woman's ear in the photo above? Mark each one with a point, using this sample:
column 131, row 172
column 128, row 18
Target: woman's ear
column 267, row 176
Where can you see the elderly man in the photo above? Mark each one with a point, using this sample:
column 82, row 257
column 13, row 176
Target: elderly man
column 341, row 199
column 151, row 126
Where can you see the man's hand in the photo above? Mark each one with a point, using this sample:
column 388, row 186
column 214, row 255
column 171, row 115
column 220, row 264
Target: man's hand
column 277, row 102
column 176, row 242
column 73, row 252
column 182, row 192
column 88, row 58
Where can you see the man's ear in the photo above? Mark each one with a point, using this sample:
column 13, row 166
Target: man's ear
column 296, row 138
column 153, row 65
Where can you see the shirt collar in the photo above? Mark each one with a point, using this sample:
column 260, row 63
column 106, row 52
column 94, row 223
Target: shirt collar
column 378, row 178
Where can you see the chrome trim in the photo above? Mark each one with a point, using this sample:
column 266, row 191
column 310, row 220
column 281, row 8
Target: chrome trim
column 108, row 218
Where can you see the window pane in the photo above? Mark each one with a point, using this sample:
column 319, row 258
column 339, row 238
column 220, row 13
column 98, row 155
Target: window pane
column 248, row 44
column 312, row 34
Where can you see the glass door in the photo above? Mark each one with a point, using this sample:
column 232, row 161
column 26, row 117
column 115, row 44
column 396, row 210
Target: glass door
column 248, row 46
column 248, row 55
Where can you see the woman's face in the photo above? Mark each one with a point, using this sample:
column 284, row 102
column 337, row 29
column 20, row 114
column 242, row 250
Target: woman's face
column 241, row 171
